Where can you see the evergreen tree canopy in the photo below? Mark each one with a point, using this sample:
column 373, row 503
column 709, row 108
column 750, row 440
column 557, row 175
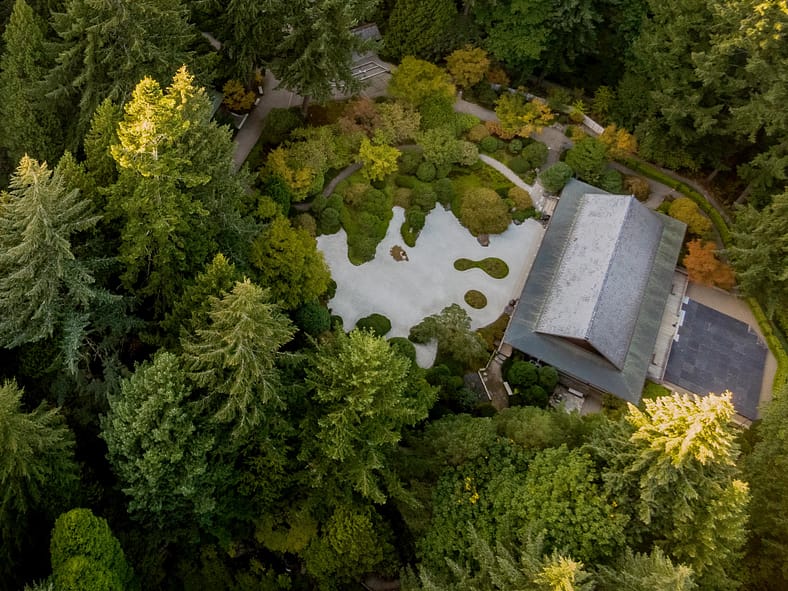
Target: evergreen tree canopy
column 42, row 285
column 106, row 48
column 27, row 127
column 233, row 357
column 38, row 473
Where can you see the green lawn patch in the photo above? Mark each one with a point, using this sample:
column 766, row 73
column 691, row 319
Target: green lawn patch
column 475, row 299
column 495, row 268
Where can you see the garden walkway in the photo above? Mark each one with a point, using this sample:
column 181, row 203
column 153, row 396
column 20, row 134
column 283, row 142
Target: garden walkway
column 536, row 191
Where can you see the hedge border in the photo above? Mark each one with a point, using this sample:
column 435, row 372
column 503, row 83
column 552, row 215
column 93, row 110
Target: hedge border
column 781, row 375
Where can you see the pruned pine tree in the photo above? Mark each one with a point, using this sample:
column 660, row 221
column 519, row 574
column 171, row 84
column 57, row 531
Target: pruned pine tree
column 43, row 287
column 27, row 127
column 38, row 473
column 233, row 356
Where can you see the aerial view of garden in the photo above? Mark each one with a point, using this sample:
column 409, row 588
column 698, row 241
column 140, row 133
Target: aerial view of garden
column 260, row 265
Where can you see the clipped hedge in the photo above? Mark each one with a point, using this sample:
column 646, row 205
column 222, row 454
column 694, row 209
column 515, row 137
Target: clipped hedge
column 776, row 346
column 489, row 144
column 377, row 323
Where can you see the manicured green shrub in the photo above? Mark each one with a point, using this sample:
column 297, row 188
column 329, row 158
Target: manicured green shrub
column 520, row 215
column 611, row 181
column 328, row 222
column 409, row 161
column 475, row 299
column 416, row 219
column 463, row 122
column 403, row 347
column 489, row 144
column 437, row 111
column 484, row 410
column 408, row 236
column 494, row 267
column 402, row 197
column 535, row 396
column 515, row 146
column 444, row 191
column 424, row 198
column 313, row 318
column 548, row 377
column 687, row 211
column 307, row 222
column 482, row 211
column 521, row 199
column 519, row 165
column 467, row 153
column 535, row 155
column 425, row 172
column 477, row 133
column 408, row 182
column 522, row 374
column 377, row 323
column 555, row 177
column 278, row 124
column 443, row 170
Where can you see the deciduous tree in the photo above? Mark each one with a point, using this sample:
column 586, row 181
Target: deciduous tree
column 379, row 160
column 519, row 116
column 289, row 264
column 467, row 65
column 705, row 268
column 686, row 210
column 452, row 329
column 416, row 81
column 483, row 211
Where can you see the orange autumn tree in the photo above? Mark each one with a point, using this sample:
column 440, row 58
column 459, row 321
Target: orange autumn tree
column 705, row 268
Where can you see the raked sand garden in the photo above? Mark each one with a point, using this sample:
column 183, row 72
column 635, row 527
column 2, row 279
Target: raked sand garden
column 409, row 290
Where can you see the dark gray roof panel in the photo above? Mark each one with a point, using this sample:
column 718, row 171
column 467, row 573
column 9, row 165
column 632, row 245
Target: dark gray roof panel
column 625, row 382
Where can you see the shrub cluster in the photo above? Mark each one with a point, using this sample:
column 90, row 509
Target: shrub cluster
column 377, row 323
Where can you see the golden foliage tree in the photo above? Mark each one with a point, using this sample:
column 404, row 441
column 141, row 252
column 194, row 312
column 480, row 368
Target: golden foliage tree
column 705, row 268
column 468, row 65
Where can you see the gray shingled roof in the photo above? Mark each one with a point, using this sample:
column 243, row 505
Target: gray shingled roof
column 602, row 275
column 596, row 291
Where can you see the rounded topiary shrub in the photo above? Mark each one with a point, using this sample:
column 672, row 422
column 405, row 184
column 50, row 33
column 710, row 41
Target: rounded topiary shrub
column 637, row 186
column 329, row 221
column 408, row 182
column 515, row 146
column 425, row 172
column 555, row 177
column 444, row 191
column 377, row 323
column 535, row 154
column 611, row 181
column 475, row 299
column 482, row 211
column 489, row 144
column 522, row 374
column 404, row 347
column 313, row 318
column 521, row 199
column 535, row 396
column 443, row 170
column 424, row 198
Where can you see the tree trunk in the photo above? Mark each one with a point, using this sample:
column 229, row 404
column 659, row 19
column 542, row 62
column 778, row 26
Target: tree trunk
column 305, row 106
column 742, row 198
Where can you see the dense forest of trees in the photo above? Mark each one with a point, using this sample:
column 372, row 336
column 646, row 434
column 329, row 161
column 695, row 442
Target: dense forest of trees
column 179, row 411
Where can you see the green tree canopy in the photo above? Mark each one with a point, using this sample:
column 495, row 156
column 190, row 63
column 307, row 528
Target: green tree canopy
column 27, row 127
column 86, row 556
column 38, row 473
column 233, row 357
column 420, row 28
column 289, row 265
column 416, row 81
column 452, row 329
column 43, row 287
column 157, row 448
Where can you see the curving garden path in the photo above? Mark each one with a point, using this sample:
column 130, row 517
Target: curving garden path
column 536, row 191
